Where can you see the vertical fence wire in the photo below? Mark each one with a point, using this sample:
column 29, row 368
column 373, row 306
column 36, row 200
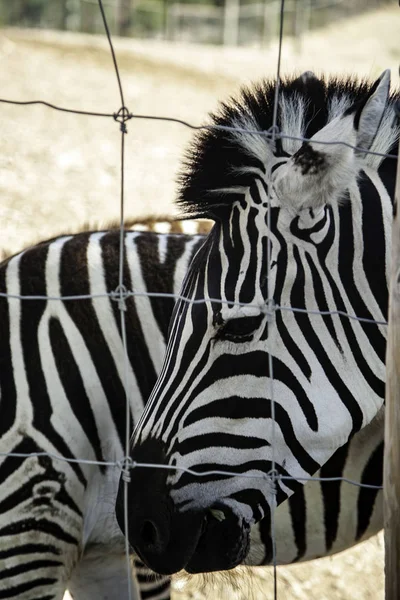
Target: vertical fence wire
column 271, row 313
column 121, row 117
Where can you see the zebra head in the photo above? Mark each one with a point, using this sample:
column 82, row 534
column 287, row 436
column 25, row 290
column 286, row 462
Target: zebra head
column 249, row 385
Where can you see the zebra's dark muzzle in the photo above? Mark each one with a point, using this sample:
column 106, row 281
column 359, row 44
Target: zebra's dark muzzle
column 169, row 539
column 223, row 544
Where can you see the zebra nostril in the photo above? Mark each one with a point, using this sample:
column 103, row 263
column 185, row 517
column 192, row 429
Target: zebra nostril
column 149, row 534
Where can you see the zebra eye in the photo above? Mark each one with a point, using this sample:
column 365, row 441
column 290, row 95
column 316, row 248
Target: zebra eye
column 239, row 330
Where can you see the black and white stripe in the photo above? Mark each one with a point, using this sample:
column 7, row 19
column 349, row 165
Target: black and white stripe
column 62, row 392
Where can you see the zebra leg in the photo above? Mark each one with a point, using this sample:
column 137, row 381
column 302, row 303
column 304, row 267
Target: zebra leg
column 102, row 574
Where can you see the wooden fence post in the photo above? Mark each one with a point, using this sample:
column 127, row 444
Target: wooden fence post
column 230, row 32
column 391, row 470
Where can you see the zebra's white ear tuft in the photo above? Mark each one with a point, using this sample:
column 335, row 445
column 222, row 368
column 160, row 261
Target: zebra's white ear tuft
column 321, row 170
column 369, row 115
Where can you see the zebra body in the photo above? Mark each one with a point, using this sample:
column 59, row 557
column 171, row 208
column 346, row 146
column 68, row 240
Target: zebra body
column 252, row 380
column 323, row 518
column 62, row 392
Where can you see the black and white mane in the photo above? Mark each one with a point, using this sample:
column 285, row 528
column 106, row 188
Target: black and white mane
column 218, row 160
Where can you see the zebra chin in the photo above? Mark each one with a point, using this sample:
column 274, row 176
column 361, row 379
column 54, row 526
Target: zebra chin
column 168, row 539
column 194, row 541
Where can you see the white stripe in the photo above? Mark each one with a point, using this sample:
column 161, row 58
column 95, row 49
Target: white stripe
column 24, row 413
column 162, row 248
column 107, row 324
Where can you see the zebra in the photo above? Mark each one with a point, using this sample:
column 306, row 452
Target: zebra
column 252, row 384
column 62, row 393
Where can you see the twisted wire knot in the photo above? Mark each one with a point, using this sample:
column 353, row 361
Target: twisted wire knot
column 120, row 295
column 269, row 309
column 272, row 133
column 273, row 476
column 126, row 464
column 121, row 117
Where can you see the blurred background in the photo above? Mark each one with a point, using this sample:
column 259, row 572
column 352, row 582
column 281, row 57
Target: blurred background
column 232, row 22
column 176, row 59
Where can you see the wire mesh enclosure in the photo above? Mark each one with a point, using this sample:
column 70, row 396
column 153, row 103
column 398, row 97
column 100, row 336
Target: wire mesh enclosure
column 124, row 119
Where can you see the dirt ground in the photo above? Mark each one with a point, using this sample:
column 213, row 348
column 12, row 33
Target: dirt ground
column 58, row 170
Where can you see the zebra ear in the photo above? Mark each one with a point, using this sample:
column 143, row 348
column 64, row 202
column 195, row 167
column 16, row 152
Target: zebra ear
column 321, row 170
column 368, row 115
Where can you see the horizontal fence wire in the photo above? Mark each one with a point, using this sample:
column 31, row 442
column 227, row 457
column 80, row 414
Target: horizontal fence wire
column 268, row 308
column 272, row 133
column 126, row 463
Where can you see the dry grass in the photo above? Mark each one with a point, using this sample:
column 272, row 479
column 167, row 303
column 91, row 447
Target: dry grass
column 356, row 574
column 59, row 170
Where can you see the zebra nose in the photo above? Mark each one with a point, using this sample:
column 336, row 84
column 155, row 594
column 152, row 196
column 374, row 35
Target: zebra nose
column 148, row 526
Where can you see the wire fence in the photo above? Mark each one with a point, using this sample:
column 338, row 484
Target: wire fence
column 121, row 294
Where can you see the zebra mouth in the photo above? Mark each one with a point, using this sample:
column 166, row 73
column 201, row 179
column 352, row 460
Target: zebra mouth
column 223, row 542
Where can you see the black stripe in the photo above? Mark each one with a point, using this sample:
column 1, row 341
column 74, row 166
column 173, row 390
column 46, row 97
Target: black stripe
column 29, row 549
column 7, row 383
column 233, row 246
column 373, row 233
column 298, row 516
column 39, row 525
column 17, row 590
column 372, row 475
column 330, row 491
column 220, row 440
column 28, row 566
column 247, row 289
